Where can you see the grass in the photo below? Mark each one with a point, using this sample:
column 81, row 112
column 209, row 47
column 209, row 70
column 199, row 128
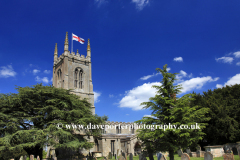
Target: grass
column 176, row 157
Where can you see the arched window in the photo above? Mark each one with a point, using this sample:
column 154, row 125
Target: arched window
column 75, row 78
column 118, row 130
column 96, row 145
column 78, row 78
column 59, row 78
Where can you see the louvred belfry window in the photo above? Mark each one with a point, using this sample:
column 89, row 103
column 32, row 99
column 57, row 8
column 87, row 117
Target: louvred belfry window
column 59, row 78
column 78, row 78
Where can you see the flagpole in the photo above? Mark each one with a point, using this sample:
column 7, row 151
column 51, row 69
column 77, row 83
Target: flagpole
column 72, row 43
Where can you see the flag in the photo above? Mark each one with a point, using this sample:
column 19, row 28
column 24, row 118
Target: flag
column 76, row 38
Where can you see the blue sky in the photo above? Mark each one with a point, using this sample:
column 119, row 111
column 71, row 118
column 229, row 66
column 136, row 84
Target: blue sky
column 200, row 39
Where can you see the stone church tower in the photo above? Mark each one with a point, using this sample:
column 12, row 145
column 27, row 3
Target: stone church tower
column 74, row 71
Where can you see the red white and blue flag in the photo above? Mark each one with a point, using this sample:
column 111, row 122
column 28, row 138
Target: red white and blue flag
column 76, row 38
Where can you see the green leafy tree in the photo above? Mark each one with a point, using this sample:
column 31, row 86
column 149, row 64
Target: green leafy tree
column 224, row 105
column 28, row 120
column 168, row 109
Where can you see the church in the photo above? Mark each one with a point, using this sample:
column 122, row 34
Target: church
column 74, row 71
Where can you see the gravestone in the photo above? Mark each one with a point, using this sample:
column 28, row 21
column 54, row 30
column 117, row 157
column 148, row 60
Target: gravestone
column 228, row 156
column 208, row 156
column 145, row 154
column 234, row 150
column 21, row 158
column 25, row 157
column 185, row 156
column 115, row 156
column 38, row 158
column 110, row 155
column 130, row 156
column 144, row 158
column 159, row 156
column 198, row 148
column 121, row 158
column 55, row 158
column 227, row 148
column 180, row 152
column 200, row 153
column 140, row 156
column 238, row 149
column 188, row 151
column 31, row 157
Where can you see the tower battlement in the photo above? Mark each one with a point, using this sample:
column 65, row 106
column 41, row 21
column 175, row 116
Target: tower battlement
column 73, row 56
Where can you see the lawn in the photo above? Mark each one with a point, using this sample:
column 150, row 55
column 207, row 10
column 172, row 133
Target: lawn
column 176, row 157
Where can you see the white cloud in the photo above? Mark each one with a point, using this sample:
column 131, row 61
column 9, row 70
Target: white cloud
column 152, row 75
column 181, row 75
column 140, row 4
column 136, row 96
column 219, row 86
column 225, row 59
column 232, row 81
column 35, row 71
column 238, row 63
column 127, row 114
column 47, row 71
column 237, row 54
column 149, row 116
column 44, row 79
column 111, row 95
column 149, row 76
column 96, row 96
column 178, row 59
column 196, row 83
column 7, row 71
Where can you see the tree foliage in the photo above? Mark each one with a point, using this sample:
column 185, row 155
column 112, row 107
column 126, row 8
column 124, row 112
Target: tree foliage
column 168, row 109
column 224, row 105
column 28, row 120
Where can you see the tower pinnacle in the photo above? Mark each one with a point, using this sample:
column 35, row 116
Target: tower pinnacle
column 55, row 53
column 56, row 50
column 66, row 42
column 88, row 46
column 88, row 49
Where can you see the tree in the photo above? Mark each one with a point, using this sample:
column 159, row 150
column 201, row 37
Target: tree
column 29, row 119
column 224, row 105
column 168, row 109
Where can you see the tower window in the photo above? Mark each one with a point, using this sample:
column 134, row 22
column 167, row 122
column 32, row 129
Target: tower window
column 78, row 78
column 118, row 130
column 59, row 78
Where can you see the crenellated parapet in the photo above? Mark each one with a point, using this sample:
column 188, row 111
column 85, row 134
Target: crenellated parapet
column 72, row 56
